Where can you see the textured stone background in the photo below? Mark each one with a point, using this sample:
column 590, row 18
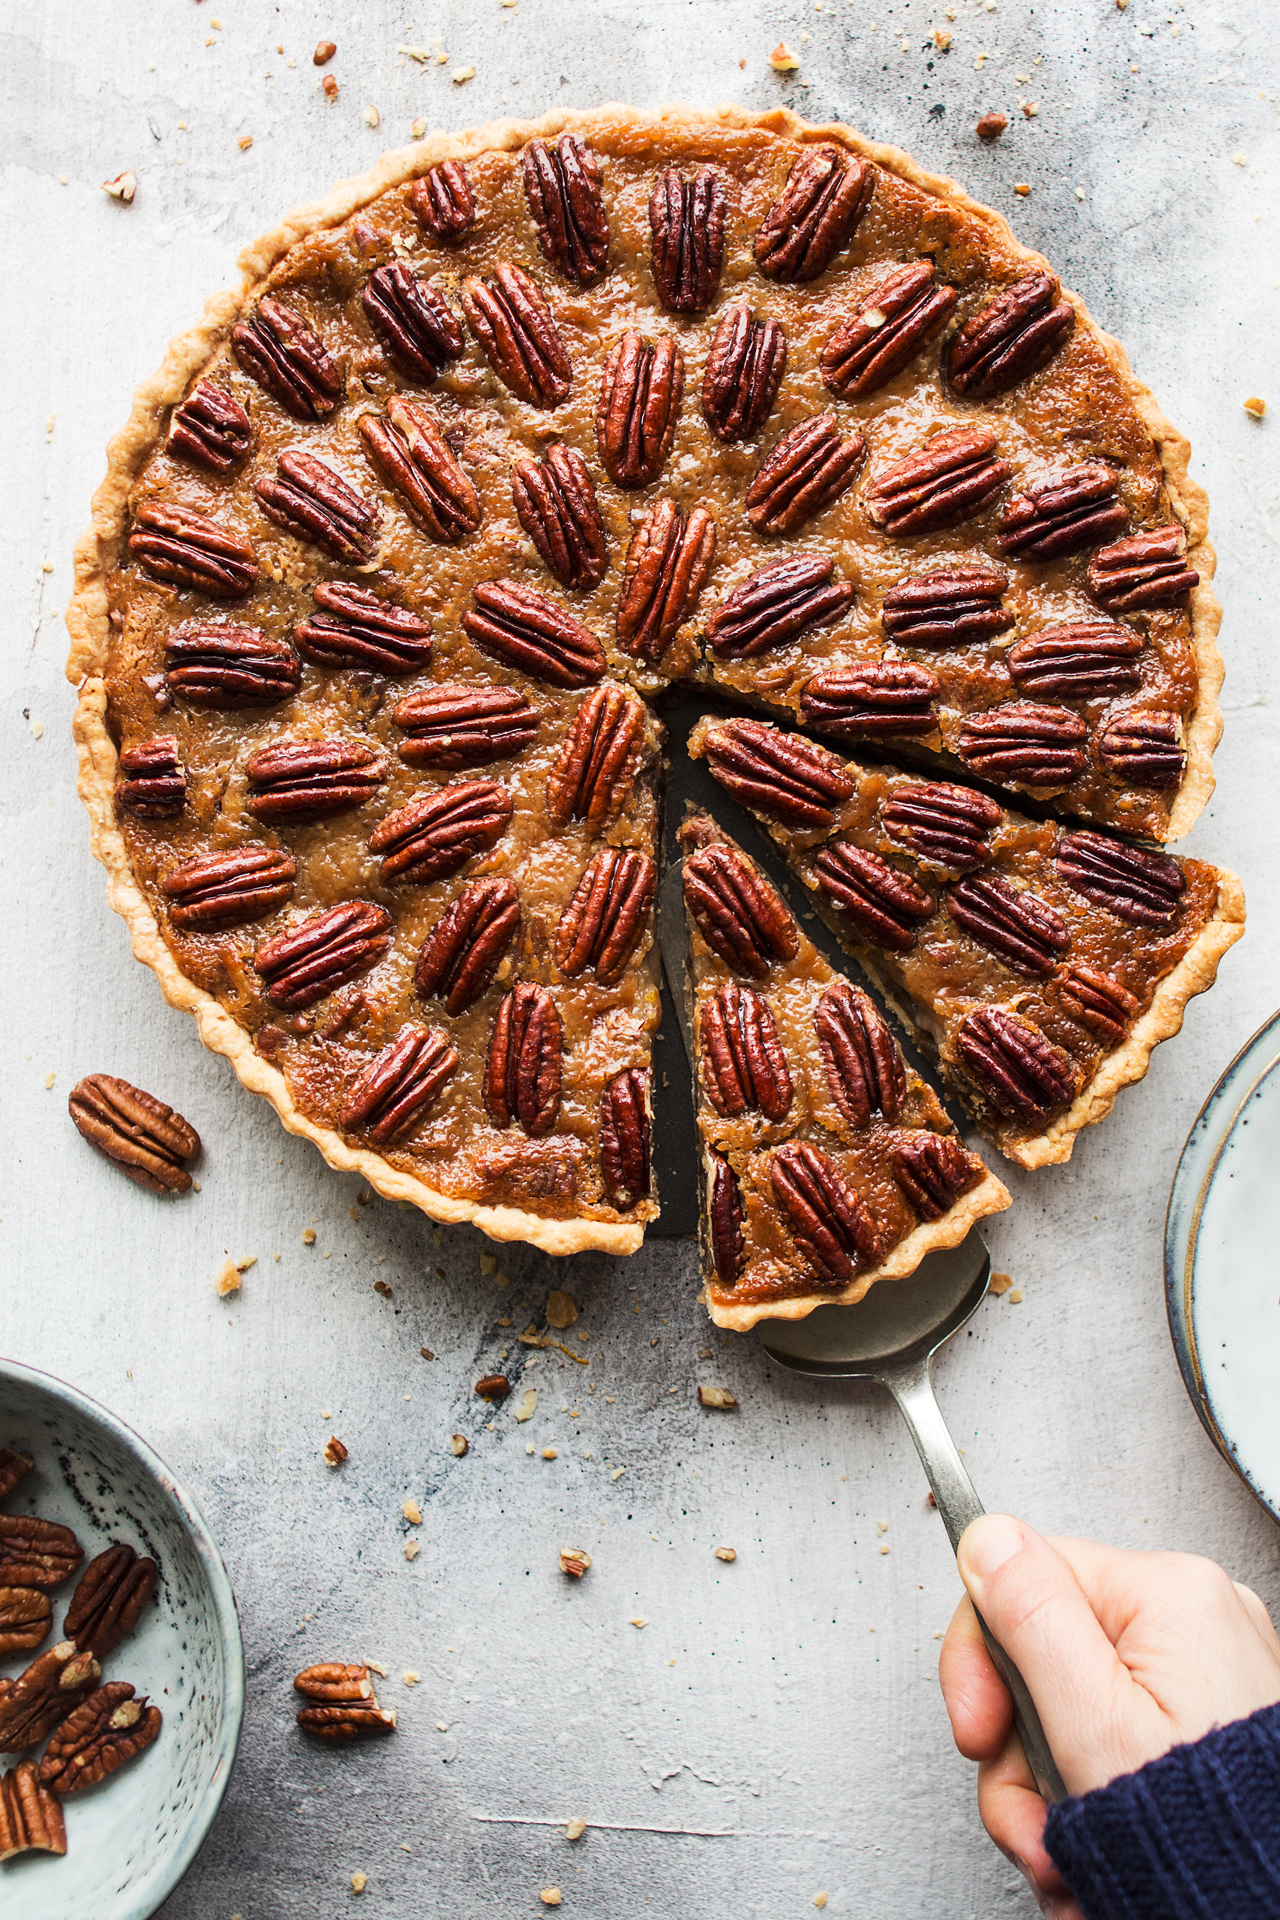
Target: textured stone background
column 776, row 1729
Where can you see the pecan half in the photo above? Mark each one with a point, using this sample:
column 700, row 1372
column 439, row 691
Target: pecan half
column 724, row 1219
column 555, row 501
column 357, row 628
column 325, row 951
column 900, row 315
column 310, row 779
column 210, row 429
column 520, row 340
column 1019, row 926
column 443, row 201
column 1098, row 1002
column 1140, row 887
column 41, row 1698
column 745, row 364
column 192, row 550
column 668, row 564
column 933, row 1170
column 439, row 832
column 26, row 1616
column 883, row 904
column 951, row 609
column 531, row 632
column 563, row 189
column 606, row 917
column 468, row 943
column 950, row 478
column 397, row 1087
column 597, row 760
column 451, row 725
column 523, row 1070
column 277, row 348
column 625, row 1137
column 346, row 1723
column 737, row 912
column 778, row 774
column 309, row 500
column 14, row 1468
column 686, row 218
column 407, row 447
column 640, row 393
column 415, row 324
column 829, row 1221
column 108, row 1729
column 218, row 890
column 1022, row 1073
column 863, row 1066
column 890, row 699
column 151, row 781
column 230, row 667
column 1081, row 660
column 949, row 825
column 806, row 471
column 109, row 1599
column 1144, row 748
column 777, row 604
column 1010, row 338
column 147, row 1140
column 742, row 1065
column 817, row 213
column 1147, row 570
column 1071, row 510
column 335, row 1683
column 1036, row 746
column 30, row 1818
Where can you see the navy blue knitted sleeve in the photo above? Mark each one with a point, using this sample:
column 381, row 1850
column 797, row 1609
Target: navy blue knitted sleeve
column 1194, row 1835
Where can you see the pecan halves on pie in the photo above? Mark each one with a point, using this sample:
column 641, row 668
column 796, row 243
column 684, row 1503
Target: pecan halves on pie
column 109, row 1599
column 884, row 905
column 229, row 666
column 218, row 890
column 31, row 1819
column 829, row 1221
column 14, row 1468
column 312, row 502
column 37, row 1553
column 1080, row 660
column 555, row 502
column 778, row 774
column 26, row 1616
column 1147, row 570
column 397, row 1087
column 357, row 628
column 1137, row 886
column 147, row 1140
column 110, row 1728
column 607, row 915
column 742, row 1064
column 951, row 826
column 151, row 782
column 1144, row 748
column 668, row 564
column 563, row 189
column 777, row 604
column 951, row 609
column 1098, row 1002
column 1071, row 510
column 737, row 912
column 1019, row 926
column 524, row 1067
column 1021, row 1072
column 626, row 1137
column 686, row 218
column 949, row 479
column 468, row 944
column 745, row 364
column 444, row 202
column 890, row 699
column 416, row 325
column 1012, row 337
column 407, row 447
column 529, row 631
column 863, row 1066
column 294, row 780
column 210, row 429
column 191, row 549
column 438, row 833
column 325, row 951
column 933, row 1170
column 277, row 348
column 512, row 321
column 817, row 213
column 597, row 760
column 452, row 725
column 41, row 1698
column 901, row 314
column 1035, row 746
column 640, row 393
column 806, row 471
column 724, row 1219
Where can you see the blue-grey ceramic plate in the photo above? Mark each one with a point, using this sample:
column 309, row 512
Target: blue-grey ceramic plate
column 1222, row 1264
column 131, row 1839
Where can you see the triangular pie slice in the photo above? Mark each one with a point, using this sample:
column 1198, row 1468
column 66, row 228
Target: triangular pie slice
column 828, row 1164
column 1039, row 963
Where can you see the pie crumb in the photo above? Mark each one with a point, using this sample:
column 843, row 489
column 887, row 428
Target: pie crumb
column 458, row 1444
column 245, row 142
column 717, row 1397
column 122, row 188
column 1254, row 406
column 574, row 1829
column 1020, row 186
column 726, row 1553
column 229, row 1273
column 782, row 60
column 412, row 1513
column 550, row 1896
column 1015, row 1298
column 1001, row 1282
column 412, row 1548
column 819, row 1899
column 561, row 1310
column 371, row 116
column 324, row 53
column 575, row 1561
column 308, row 1236
column 359, row 1881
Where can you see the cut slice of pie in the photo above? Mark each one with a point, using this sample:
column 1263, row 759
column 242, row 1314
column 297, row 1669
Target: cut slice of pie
column 1039, row 963
column 827, row 1163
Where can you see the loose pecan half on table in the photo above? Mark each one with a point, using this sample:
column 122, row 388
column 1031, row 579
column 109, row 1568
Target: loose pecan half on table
column 147, row 1140
column 342, row 1706
column 109, row 1729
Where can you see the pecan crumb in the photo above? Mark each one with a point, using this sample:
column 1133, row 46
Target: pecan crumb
column 324, row 53
column 426, row 1353
column 245, row 142
column 1001, row 1282
column 458, row 1444
column 372, row 118
column 1029, row 109
column 493, row 1386
column 574, row 1561
column 992, row 125
column 717, row 1397
column 726, row 1553
column 334, row 1451
column 1021, row 186
column 528, row 1404
column 782, row 60
column 329, row 86
column 942, row 41
column 412, row 1548
column 308, row 1236
column 574, row 1829
column 122, row 188
column 1254, row 406
column 550, row 1896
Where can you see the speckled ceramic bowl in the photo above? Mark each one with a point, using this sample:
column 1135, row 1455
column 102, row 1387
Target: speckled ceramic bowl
column 130, row 1840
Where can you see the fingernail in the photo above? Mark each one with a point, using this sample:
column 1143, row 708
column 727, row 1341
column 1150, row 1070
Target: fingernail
column 989, row 1542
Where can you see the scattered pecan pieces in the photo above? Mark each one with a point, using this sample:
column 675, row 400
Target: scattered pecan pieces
column 325, row 951
column 444, row 202
column 109, row 1599
column 687, row 221
column 1022, row 1073
column 26, row 1616
column 1135, row 885
column 342, row 1703
column 606, row 917
column 494, row 1386
column 277, row 348
column 777, row 604
column 217, row 890
column 778, row 774
column 1147, row 570
column 597, row 760
column 512, row 321
column 415, row 324
column 407, row 447
column 524, row 1066
column 1080, row 660
column 151, row 781
column 724, row 1213
column 1098, row 1002
column 901, row 314
column 147, row 1140
column 742, row 1064
column 830, row 1222
column 1034, row 746
column 41, row 1698
column 890, row 699
column 745, row 364
column 951, row 609
column 468, row 943
column 439, row 832
column 951, row 826
column 884, row 905
column 949, row 479
column 229, row 666
column 451, row 725
column 108, row 1729
column 529, row 631
column 309, row 779
column 668, row 564
column 14, row 1468
column 933, row 1170
column 563, row 189
column 191, row 549
column 555, row 501
column 30, row 1818
column 397, row 1087
column 863, row 1066
column 817, row 213
column 1071, row 510
column 640, row 394
column 807, row 470
column 737, row 912
column 1019, row 926
column 210, row 429
column 1144, row 748
column 1010, row 338
column 309, row 500
column 358, row 629
column 625, row 1138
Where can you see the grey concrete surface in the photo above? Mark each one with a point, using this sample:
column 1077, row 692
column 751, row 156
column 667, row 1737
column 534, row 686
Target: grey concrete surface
column 776, row 1729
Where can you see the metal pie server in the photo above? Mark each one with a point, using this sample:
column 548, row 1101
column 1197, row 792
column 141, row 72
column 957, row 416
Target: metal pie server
column 891, row 1337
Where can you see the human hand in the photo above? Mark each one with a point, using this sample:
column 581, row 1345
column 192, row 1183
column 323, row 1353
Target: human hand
column 1125, row 1654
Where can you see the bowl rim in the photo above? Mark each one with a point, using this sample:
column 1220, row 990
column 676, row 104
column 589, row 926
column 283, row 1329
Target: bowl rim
column 162, row 1882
